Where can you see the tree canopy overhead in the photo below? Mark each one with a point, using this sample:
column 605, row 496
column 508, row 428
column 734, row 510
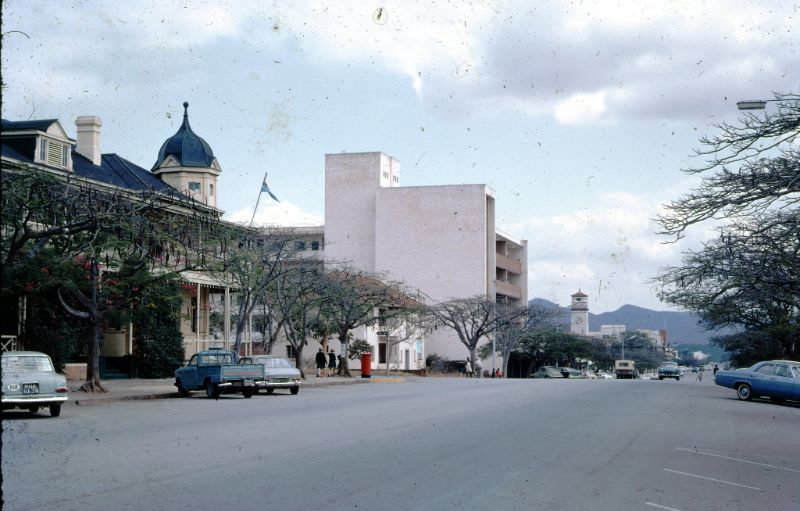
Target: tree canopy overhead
column 748, row 276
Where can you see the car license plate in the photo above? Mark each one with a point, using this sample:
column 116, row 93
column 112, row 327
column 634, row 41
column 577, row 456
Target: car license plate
column 30, row 388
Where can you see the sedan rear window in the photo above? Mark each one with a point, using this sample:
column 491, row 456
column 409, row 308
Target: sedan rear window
column 16, row 364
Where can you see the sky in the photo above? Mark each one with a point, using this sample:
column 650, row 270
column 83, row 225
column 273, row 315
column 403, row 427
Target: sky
column 580, row 115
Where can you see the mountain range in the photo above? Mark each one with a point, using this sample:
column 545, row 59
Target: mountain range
column 681, row 327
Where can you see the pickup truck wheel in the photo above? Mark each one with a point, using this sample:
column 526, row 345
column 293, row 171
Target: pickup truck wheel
column 660, row 377
column 270, row 390
column 247, row 392
column 182, row 391
column 55, row 410
column 743, row 392
column 212, row 391
column 294, row 390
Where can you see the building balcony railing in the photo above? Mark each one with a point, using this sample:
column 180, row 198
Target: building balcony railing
column 508, row 264
column 504, row 288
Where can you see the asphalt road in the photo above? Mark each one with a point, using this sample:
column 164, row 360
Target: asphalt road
column 427, row 444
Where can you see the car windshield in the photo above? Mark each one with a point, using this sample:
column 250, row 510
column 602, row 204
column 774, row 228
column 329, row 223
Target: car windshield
column 274, row 362
column 18, row 364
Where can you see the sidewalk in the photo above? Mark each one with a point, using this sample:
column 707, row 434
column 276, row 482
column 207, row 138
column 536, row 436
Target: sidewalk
column 137, row 388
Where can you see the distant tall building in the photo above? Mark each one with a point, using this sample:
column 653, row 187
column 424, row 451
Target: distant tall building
column 579, row 314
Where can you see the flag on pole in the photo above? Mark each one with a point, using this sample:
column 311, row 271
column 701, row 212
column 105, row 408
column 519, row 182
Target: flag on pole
column 265, row 188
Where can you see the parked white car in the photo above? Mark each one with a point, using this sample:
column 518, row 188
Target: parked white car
column 29, row 381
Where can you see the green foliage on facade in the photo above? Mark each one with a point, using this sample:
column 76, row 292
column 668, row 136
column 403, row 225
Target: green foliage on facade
column 157, row 316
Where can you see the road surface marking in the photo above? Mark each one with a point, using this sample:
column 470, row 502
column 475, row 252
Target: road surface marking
column 712, row 479
column 738, row 459
column 659, row 506
column 90, row 416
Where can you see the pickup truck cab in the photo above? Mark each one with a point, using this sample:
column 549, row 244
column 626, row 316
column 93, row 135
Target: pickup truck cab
column 217, row 371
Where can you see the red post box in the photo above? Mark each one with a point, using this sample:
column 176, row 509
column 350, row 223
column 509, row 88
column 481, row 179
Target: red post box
column 366, row 364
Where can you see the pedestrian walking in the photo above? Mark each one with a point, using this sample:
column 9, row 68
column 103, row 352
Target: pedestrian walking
column 700, row 371
column 716, row 368
column 331, row 363
column 321, row 361
column 468, row 369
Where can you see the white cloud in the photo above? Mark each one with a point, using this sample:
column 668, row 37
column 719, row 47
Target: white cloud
column 275, row 213
column 610, row 250
column 580, row 108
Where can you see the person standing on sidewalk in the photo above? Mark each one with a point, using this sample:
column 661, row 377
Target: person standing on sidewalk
column 322, row 361
column 468, row 369
column 331, row 363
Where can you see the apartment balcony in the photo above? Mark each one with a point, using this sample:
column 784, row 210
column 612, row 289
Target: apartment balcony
column 508, row 264
column 510, row 290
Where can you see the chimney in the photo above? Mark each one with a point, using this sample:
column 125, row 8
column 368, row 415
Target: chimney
column 89, row 137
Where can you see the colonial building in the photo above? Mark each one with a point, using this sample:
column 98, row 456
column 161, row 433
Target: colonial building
column 184, row 177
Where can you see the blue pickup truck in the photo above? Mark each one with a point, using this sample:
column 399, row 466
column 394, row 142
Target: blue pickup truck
column 217, row 371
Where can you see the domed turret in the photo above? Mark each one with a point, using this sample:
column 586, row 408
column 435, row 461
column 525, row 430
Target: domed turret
column 187, row 163
column 188, row 149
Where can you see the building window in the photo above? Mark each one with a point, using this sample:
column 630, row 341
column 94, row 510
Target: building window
column 53, row 153
column 290, row 353
column 381, row 352
column 211, row 189
column 395, row 179
column 300, row 245
column 315, row 245
column 194, row 186
column 386, row 175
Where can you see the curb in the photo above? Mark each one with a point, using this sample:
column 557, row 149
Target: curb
column 111, row 398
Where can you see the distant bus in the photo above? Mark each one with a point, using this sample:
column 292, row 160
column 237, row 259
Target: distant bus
column 625, row 369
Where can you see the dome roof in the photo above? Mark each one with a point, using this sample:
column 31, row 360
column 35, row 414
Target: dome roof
column 185, row 146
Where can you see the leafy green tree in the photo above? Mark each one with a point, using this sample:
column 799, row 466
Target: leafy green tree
column 157, row 316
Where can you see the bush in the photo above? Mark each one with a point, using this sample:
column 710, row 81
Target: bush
column 160, row 342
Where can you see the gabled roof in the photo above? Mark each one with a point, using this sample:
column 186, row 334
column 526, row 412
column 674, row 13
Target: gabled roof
column 118, row 171
column 188, row 149
column 36, row 124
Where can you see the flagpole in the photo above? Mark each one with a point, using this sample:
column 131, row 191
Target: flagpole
column 260, row 191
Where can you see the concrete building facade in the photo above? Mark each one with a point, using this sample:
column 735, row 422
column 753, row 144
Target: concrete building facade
column 441, row 240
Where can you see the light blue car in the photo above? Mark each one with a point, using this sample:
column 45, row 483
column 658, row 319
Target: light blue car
column 777, row 379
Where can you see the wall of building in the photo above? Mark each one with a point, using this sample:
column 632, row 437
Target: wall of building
column 352, row 181
column 433, row 238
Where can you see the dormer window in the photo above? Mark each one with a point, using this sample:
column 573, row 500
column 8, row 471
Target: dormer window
column 53, row 153
column 194, row 186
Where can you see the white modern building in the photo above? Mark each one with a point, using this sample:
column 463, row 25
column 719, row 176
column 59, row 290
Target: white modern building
column 441, row 240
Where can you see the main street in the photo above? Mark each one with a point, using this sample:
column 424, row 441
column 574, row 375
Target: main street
column 426, row 443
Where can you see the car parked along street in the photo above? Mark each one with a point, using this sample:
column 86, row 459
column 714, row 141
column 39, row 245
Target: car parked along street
column 29, row 381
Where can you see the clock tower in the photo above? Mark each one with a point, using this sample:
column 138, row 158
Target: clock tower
column 579, row 314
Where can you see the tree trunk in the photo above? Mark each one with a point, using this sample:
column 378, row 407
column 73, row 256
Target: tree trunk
column 344, row 368
column 241, row 321
column 298, row 359
column 92, row 383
